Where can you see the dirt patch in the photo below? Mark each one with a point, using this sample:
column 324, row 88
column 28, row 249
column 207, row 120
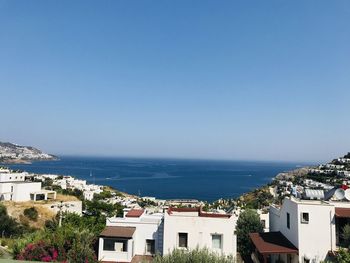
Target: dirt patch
column 16, row 210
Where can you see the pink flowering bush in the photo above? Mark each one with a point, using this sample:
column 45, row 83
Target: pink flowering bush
column 39, row 251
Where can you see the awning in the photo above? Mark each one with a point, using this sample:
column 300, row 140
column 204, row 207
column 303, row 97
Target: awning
column 272, row 243
column 342, row 212
column 118, row 231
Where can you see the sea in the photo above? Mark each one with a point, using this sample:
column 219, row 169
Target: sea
column 206, row 180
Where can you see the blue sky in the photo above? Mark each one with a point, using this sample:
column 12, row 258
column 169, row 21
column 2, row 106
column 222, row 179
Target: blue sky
column 257, row 80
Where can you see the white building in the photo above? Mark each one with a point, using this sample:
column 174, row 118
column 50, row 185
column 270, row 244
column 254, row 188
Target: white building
column 189, row 228
column 301, row 231
column 13, row 187
column 131, row 237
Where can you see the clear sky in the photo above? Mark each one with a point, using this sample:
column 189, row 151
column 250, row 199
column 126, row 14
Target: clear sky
column 257, row 80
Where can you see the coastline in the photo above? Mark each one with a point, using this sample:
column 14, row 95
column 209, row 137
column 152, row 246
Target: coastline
column 244, row 176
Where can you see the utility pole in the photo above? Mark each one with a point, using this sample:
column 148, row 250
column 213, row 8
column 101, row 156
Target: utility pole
column 60, row 207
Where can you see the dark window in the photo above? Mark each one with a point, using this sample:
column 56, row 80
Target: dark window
column 263, row 222
column 113, row 244
column 150, row 246
column 183, row 240
column 288, row 221
column 305, row 218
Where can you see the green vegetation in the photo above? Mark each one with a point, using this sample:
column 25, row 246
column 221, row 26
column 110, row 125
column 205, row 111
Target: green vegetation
column 346, row 235
column 96, row 207
column 9, row 227
column 248, row 222
column 103, row 195
column 73, row 241
column 343, row 256
column 193, row 256
column 31, row 213
column 145, row 203
column 256, row 199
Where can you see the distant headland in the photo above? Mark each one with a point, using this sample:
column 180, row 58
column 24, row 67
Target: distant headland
column 17, row 154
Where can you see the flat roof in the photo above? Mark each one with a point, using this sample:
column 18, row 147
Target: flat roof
column 197, row 210
column 272, row 243
column 118, row 231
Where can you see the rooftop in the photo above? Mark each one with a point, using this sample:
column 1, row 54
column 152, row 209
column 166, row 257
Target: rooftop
column 118, row 231
column 272, row 243
column 196, row 211
column 135, row 213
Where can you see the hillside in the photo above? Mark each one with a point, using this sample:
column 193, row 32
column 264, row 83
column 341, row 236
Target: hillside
column 13, row 153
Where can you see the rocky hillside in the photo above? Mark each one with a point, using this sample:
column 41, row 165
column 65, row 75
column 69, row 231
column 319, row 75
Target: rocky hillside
column 13, row 153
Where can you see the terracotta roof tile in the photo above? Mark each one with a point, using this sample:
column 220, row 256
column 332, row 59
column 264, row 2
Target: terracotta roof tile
column 342, row 212
column 135, row 213
column 272, row 243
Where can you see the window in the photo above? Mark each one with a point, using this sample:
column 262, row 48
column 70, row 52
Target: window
column 183, row 240
column 305, row 218
column 113, row 244
column 150, row 246
column 263, row 222
column 216, row 241
column 288, row 221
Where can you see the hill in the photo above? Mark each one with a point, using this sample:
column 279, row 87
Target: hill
column 13, row 153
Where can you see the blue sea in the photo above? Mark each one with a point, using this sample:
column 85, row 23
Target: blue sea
column 167, row 178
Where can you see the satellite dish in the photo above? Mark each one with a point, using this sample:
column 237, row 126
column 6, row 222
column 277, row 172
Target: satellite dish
column 339, row 194
column 347, row 194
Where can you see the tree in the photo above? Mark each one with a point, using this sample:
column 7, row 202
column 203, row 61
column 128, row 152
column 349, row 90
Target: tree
column 248, row 222
column 346, row 235
column 82, row 251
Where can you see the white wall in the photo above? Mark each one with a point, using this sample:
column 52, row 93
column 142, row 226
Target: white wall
column 318, row 236
column 147, row 227
column 314, row 239
column 115, row 256
column 278, row 220
column 200, row 230
column 21, row 191
column 12, row 177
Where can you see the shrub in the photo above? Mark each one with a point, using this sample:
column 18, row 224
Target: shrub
column 31, row 213
column 66, row 243
column 40, row 251
column 192, row 256
column 9, row 227
column 81, row 250
column 343, row 256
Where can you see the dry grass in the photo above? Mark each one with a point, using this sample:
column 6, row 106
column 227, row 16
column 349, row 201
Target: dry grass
column 65, row 198
column 16, row 209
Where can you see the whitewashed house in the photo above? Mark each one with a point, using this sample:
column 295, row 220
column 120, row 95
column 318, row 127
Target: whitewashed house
column 189, row 228
column 13, row 187
column 132, row 237
column 302, row 231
